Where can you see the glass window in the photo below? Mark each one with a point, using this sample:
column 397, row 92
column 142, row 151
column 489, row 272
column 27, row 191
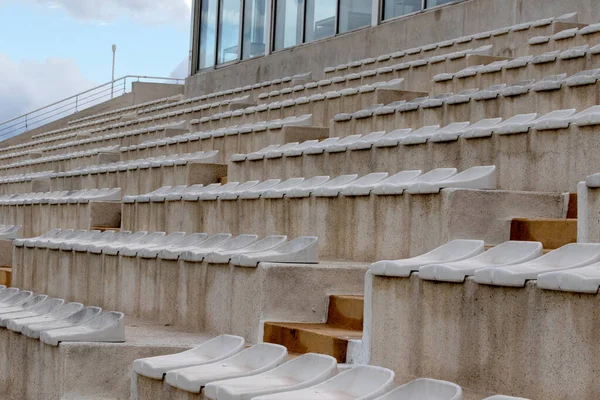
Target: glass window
column 288, row 23
column 354, row 14
column 229, row 31
column 208, row 33
column 320, row 19
column 396, row 8
column 433, row 3
column 255, row 34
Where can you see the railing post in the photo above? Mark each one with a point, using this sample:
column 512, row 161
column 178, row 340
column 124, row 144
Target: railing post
column 76, row 102
column 26, row 127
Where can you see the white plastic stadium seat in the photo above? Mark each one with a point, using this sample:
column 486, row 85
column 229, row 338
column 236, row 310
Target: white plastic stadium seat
column 501, row 397
column 29, row 304
column 564, row 122
column 13, row 301
column 80, row 317
column 454, row 250
column 306, row 190
column 362, row 186
column 298, row 373
column 41, row 308
column 489, row 123
column 235, row 243
column 268, row 243
column 61, row 312
column 393, row 138
column 507, row 253
column 259, row 358
column 331, row 190
column 425, row 389
column 211, row 351
column 570, row 256
column 579, row 280
column 473, row 132
column 482, row 178
column 281, row 190
column 389, row 187
column 302, row 250
column 190, row 244
column 362, row 382
column 108, row 327
column 523, row 127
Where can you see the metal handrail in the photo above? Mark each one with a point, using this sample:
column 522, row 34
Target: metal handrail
column 74, row 104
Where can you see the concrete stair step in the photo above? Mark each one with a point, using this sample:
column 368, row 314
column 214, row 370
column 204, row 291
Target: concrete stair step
column 311, row 338
column 346, row 311
column 6, row 276
column 552, row 233
column 344, row 323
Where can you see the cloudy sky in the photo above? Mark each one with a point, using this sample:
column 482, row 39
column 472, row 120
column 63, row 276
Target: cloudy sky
column 51, row 49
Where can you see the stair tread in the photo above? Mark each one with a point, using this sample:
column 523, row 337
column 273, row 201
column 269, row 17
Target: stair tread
column 321, row 329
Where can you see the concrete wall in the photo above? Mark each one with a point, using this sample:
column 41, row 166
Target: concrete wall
column 430, row 26
column 190, row 295
column 34, row 371
column 361, row 229
column 524, row 342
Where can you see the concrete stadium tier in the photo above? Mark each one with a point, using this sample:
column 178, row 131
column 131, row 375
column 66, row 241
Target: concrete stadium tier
column 448, row 108
column 188, row 294
column 143, row 175
column 422, row 221
column 386, row 214
column 570, row 61
column 35, row 371
column 70, row 209
column 421, row 327
column 526, row 160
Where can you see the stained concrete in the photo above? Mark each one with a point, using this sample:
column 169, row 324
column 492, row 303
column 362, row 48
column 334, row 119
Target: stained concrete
column 191, row 295
column 361, row 229
column 524, row 342
column 35, row 371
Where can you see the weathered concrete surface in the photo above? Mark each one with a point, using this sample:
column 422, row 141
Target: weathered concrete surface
column 35, row 371
column 545, row 161
column 191, row 295
column 38, row 219
column 361, row 229
column 523, row 342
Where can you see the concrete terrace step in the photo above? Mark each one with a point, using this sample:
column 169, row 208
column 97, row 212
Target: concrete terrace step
column 346, row 311
column 345, row 322
column 552, row 233
column 311, row 338
column 5, row 276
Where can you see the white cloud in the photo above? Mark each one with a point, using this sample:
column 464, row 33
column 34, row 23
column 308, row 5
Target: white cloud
column 28, row 85
column 148, row 11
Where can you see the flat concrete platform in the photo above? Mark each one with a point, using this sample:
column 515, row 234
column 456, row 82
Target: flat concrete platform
column 32, row 370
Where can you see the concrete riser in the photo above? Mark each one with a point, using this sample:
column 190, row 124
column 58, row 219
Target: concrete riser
column 551, row 233
column 39, row 219
column 362, row 229
column 143, row 181
column 35, row 371
column 344, row 321
column 524, row 342
column 529, row 161
column 188, row 295
column 346, row 312
column 541, row 102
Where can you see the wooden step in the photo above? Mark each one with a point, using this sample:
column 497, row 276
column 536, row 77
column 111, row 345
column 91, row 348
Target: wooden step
column 311, row 338
column 346, row 311
column 6, row 276
column 552, row 233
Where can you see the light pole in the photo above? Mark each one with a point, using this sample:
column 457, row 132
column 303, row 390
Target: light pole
column 112, row 84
